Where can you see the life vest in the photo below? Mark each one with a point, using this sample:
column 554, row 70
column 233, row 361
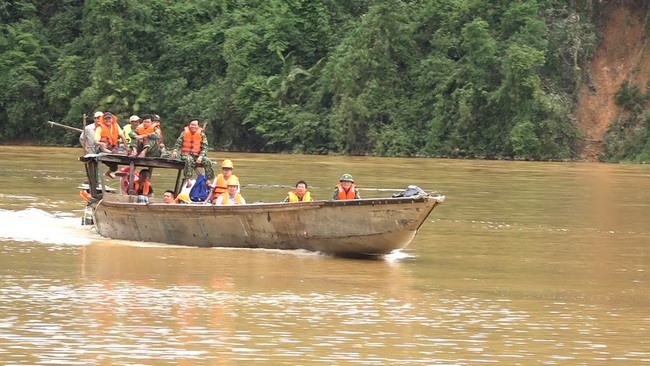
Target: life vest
column 127, row 133
column 293, row 197
column 225, row 200
column 220, row 186
column 146, row 189
column 156, row 125
column 110, row 131
column 145, row 131
column 191, row 141
column 346, row 195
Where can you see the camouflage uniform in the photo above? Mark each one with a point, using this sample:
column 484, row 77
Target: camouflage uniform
column 152, row 143
column 190, row 160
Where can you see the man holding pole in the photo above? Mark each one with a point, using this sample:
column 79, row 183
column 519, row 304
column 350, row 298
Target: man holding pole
column 87, row 138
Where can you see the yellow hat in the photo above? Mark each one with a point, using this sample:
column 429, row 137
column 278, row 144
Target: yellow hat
column 184, row 196
column 232, row 181
column 227, row 164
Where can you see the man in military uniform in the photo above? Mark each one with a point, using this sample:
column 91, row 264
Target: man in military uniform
column 346, row 189
column 193, row 147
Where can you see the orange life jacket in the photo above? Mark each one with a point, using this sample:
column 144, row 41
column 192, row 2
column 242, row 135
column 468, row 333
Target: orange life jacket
column 293, row 197
column 226, row 199
column 220, row 186
column 346, row 195
column 110, row 132
column 191, row 141
column 141, row 130
column 146, row 189
column 156, row 125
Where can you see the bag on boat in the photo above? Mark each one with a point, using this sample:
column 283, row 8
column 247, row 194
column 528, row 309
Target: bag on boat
column 199, row 191
column 410, row 191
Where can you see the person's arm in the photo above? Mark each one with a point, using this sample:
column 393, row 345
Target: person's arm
column 243, row 201
column 286, row 199
column 219, row 200
column 335, row 195
column 356, row 194
column 177, row 146
column 204, row 145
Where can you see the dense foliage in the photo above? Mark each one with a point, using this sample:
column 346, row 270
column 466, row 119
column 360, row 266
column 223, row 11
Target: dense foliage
column 462, row 78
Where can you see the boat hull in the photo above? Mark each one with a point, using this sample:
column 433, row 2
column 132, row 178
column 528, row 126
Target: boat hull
column 355, row 227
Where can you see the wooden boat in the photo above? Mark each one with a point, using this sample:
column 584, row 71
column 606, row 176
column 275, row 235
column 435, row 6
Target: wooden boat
column 373, row 226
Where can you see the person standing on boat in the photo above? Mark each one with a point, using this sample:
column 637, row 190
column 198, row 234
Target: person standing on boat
column 144, row 140
column 134, row 122
column 219, row 184
column 193, row 147
column 232, row 196
column 346, row 189
column 300, row 194
column 87, row 138
column 108, row 134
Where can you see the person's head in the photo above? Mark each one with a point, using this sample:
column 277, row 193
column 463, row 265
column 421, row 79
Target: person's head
column 346, row 180
column 226, row 168
column 155, row 118
column 98, row 115
column 233, row 185
column 194, row 125
column 301, row 187
column 168, row 196
column 134, row 120
column 146, row 120
column 108, row 117
column 145, row 175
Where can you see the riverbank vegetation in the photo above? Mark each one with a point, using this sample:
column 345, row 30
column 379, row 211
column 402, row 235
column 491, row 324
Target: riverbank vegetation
column 457, row 78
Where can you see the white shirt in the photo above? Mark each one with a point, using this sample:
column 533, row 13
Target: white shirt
column 88, row 135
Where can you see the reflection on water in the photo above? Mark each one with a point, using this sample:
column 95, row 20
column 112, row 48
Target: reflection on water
column 524, row 263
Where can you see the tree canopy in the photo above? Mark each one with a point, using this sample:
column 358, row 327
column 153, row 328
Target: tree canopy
column 459, row 78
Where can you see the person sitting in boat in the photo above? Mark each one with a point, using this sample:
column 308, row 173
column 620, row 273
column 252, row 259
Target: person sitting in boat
column 300, row 194
column 134, row 122
column 219, row 184
column 108, row 134
column 168, row 197
column 143, row 186
column 193, row 147
column 346, row 189
column 155, row 121
column 123, row 173
column 232, row 196
column 145, row 139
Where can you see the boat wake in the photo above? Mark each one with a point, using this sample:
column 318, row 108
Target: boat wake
column 34, row 225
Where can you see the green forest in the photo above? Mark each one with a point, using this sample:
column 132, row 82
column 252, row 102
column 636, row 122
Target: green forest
column 434, row 78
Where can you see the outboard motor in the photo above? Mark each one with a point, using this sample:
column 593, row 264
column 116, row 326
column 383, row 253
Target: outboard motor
column 410, row 191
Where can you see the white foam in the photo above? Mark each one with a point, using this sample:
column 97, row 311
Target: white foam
column 34, row 225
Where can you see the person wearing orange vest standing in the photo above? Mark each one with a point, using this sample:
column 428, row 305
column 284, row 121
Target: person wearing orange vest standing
column 219, row 182
column 231, row 197
column 346, row 189
column 144, row 140
column 155, row 121
column 300, row 194
column 193, row 147
column 108, row 133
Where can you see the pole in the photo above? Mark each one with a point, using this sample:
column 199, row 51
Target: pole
column 52, row 123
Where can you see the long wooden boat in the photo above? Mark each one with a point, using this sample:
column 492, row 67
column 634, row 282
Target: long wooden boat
column 373, row 226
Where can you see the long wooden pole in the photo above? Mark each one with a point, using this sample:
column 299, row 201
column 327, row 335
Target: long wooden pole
column 52, row 123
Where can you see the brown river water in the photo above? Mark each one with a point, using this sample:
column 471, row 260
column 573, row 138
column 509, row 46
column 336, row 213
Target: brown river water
column 525, row 263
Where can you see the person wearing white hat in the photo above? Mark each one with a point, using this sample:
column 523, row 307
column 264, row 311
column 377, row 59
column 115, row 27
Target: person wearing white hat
column 134, row 122
column 87, row 138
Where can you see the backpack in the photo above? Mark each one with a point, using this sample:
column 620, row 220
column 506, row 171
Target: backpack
column 199, row 191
